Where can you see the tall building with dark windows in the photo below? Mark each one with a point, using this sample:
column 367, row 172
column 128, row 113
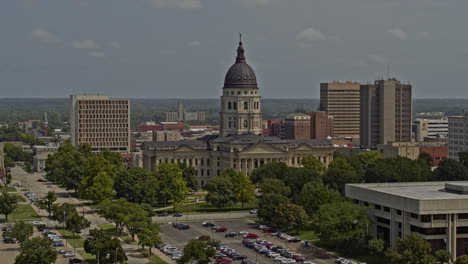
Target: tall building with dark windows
column 386, row 109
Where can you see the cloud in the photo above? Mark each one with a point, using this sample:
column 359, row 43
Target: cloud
column 311, row 35
column 45, row 36
column 84, row 44
column 255, row 2
column 114, row 44
column 194, row 43
column 184, row 4
column 398, row 33
column 97, row 54
column 376, row 58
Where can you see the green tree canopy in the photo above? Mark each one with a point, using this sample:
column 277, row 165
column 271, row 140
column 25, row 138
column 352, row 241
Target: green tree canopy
column 315, row 194
column 188, row 174
column 398, row 169
column 268, row 205
column 412, row 249
column 275, row 170
column 48, row 201
column 173, row 187
column 312, row 163
column 295, row 178
column 450, row 170
column 462, row 260
column 67, row 166
column 37, row 250
column 291, row 216
column 8, row 203
column 340, row 222
column 199, row 250
column 22, row 231
column 220, row 192
column 269, row 185
column 104, row 247
column 426, row 158
column 244, row 189
column 149, row 237
column 443, row 256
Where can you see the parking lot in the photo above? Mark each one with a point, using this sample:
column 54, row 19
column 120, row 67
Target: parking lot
column 179, row 238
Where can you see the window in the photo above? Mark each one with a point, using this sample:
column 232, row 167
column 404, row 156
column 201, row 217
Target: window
column 245, row 123
column 234, row 106
column 425, row 218
column 246, row 105
column 230, row 124
column 377, row 207
column 229, row 105
column 414, row 216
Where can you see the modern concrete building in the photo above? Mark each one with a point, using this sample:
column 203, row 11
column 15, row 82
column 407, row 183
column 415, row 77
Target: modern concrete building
column 321, row 125
column 101, row 122
column 341, row 100
column 438, row 211
column 167, row 136
column 438, row 151
column 181, row 115
column 386, row 109
column 297, row 126
column 240, row 145
column 430, row 129
column 457, row 135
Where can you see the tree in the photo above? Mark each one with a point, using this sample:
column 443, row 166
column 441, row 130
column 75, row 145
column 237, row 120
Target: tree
column 340, row 222
column 116, row 211
column 136, row 220
column 462, row 260
column 274, row 170
column 199, row 250
column 398, row 169
column 37, row 250
column 463, row 158
column 220, row 192
column 443, row 256
column 22, row 231
column 412, row 249
column 339, row 173
column 137, row 185
column 99, row 187
column 149, row 237
column 188, row 174
column 314, row 194
column 75, row 223
column 48, row 201
column 173, row 187
column 106, row 249
column 369, row 158
column 269, row 185
column 295, row 178
column 291, row 216
column 244, row 190
column 67, row 166
column 312, row 163
column 376, row 246
column 60, row 212
column 427, row 158
column 267, row 206
column 8, row 203
column 450, row 170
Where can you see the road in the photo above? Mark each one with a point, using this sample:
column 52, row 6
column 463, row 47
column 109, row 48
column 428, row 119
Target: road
column 201, row 217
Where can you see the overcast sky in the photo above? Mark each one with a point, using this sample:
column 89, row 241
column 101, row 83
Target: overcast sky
column 182, row 48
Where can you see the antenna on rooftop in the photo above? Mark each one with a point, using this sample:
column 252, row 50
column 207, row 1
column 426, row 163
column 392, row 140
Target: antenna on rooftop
column 388, row 71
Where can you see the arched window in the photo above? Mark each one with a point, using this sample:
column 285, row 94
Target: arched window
column 229, row 105
column 234, row 106
column 230, row 124
column 245, row 123
column 246, row 105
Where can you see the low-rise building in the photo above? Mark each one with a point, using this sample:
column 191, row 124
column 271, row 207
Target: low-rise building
column 297, row 126
column 411, row 150
column 425, row 129
column 438, row 211
column 40, row 156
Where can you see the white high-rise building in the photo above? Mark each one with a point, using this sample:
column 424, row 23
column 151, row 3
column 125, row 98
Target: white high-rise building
column 430, row 128
column 457, row 134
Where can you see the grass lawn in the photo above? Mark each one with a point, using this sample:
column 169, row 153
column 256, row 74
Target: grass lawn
column 8, row 189
column 78, row 242
column 209, row 208
column 307, row 233
column 88, row 257
column 23, row 212
column 20, row 198
column 355, row 256
column 153, row 259
column 109, row 229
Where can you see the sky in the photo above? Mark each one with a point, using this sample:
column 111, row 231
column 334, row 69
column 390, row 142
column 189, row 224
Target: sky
column 183, row 48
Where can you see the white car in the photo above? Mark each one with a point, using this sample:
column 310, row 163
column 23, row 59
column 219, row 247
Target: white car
column 288, row 261
column 254, row 211
column 68, row 255
column 272, row 254
column 243, row 232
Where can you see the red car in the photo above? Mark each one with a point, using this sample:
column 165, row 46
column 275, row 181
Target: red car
column 223, row 260
column 221, row 229
column 251, row 235
column 268, row 230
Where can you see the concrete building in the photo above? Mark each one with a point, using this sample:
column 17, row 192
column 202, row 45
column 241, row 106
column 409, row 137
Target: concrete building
column 101, row 122
column 321, row 125
column 457, row 135
column 297, row 126
column 430, row 129
column 181, row 115
column 411, row 150
column 341, row 100
column 386, row 109
column 167, row 136
column 438, row 211
column 240, row 145
column 40, row 156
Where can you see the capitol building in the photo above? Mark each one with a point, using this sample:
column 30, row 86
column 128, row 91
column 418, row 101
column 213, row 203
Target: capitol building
column 240, row 144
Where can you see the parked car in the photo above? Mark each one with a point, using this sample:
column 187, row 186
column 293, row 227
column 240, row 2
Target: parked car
column 162, row 214
column 208, row 223
column 254, row 211
column 181, row 226
column 231, row 234
column 251, row 235
column 74, row 260
column 68, row 254
column 221, row 229
column 223, row 260
column 294, row 240
column 58, row 244
column 178, row 215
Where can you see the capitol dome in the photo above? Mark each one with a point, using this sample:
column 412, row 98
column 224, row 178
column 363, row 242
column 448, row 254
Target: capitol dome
column 240, row 74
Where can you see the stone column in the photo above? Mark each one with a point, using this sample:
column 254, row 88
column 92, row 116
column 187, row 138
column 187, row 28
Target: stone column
column 452, row 240
column 393, row 228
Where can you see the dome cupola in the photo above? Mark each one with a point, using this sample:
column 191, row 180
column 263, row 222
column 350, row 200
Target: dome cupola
column 240, row 74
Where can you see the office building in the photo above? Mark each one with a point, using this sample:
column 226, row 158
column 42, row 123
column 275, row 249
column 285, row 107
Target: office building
column 181, row 115
column 297, row 126
column 341, row 100
column 457, row 135
column 101, row 122
column 438, row 211
column 430, row 129
column 437, row 150
column 386, row 109
column 167, row 136
column 240, row 145
column 321, row 125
